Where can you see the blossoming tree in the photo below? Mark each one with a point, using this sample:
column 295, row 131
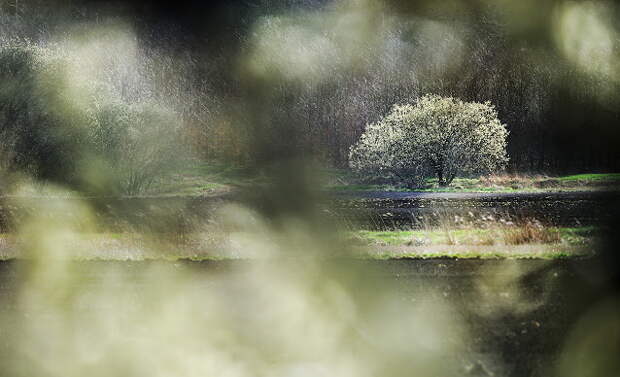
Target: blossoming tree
column 437, row 136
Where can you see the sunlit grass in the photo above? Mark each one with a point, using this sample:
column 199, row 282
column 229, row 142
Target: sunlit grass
column 592, row 177
column 494, row 242
column 204, row 178
column 343, row 180
column 468, row 236
column 199, row 178
column 544, row 253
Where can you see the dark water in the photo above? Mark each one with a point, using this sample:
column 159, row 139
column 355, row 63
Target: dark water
column 157, row 214
column 368, row 210
column 401, row 210
column 518, row 314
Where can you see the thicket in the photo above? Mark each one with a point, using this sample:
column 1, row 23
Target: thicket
column 84, row 115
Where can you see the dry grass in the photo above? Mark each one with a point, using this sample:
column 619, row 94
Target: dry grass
column 544, row 182
column 530, row 231
column 517, row 182
column 525, row 239
column 471, row 229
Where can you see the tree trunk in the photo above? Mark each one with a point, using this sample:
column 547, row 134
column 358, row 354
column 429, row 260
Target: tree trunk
column 441, row 179
column 450, row 178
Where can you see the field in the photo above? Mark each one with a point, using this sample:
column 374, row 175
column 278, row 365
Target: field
column 199, row 178
column 346, row 181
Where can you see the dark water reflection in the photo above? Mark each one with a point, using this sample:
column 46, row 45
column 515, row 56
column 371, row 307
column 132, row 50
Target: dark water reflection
column 517, row 315
column 397, row 210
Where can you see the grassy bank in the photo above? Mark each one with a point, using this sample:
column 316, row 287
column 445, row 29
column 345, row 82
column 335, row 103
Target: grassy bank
column 518, row 241
column 341, row 180
column 200, row 178
column 522, row 241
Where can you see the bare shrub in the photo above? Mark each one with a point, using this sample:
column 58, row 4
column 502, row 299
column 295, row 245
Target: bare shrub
column 84, row 114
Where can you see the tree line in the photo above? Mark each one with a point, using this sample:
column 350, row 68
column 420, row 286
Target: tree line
column 299, row 78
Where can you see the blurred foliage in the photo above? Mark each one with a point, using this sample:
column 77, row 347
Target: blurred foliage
column 80, row 133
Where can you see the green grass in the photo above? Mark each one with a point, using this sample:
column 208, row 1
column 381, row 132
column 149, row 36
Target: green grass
column 467, row 236
column 472, row 254
column 198, row 178
column 344, row 180
column 473, row 243
column 405, row 237
column 613, row 177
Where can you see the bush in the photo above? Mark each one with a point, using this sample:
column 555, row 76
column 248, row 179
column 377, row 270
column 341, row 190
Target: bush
column 81, row 133
column 134, row 145
column 437, row 136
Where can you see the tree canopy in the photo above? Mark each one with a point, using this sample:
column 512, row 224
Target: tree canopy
column 437, row 136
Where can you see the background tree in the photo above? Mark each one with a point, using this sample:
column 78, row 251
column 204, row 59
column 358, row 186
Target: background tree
column 437, row 136
column 323, row 82
column 107, row 134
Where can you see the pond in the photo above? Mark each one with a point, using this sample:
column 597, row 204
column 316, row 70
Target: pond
column 460, row 317
column 405, row 210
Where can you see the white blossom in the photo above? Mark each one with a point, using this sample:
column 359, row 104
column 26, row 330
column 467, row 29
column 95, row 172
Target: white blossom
column 436, row 136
